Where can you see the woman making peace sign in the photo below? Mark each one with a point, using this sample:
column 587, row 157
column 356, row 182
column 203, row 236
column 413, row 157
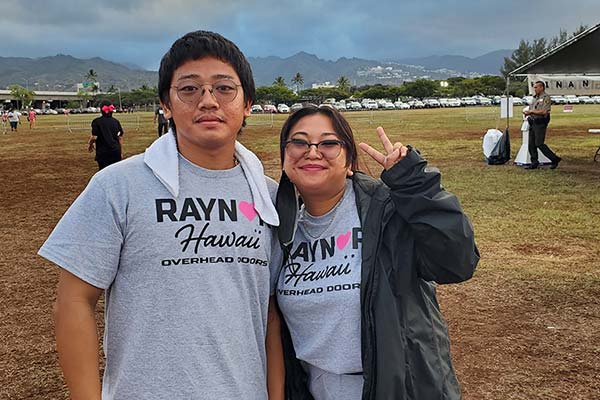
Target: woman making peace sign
column 357, row 291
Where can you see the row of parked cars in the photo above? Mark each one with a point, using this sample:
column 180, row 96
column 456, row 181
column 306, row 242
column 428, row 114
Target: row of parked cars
column 572, row 99
column 385, row 104
column 51, row 111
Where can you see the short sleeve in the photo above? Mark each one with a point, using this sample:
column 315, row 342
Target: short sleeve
column 546, row 104
column 275, row 266
column 87, row 240
column 95, row 129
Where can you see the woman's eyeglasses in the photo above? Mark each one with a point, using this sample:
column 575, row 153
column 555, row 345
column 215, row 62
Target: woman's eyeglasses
column 298, row 148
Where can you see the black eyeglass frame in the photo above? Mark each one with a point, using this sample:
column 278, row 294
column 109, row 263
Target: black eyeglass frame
column 308, row 146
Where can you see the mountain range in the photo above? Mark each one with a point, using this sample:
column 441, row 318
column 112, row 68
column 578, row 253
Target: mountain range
column 63, row 72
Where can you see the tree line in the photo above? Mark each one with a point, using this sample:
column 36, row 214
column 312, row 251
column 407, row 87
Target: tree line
column 487, row 85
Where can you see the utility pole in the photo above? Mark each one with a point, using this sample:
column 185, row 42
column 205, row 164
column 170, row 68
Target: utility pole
column 120, row 106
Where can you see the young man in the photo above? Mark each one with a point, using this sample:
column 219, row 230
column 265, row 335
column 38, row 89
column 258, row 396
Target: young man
column 180, row 239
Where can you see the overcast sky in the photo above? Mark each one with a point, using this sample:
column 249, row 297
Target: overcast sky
column 140, row 32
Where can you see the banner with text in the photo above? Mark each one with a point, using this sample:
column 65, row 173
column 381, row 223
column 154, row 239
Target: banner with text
column 567, row 84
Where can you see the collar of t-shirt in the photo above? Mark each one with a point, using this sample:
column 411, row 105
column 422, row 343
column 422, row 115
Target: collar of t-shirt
column 162, row 157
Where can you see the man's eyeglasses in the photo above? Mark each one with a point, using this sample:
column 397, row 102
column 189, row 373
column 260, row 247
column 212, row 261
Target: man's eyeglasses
column 297, row 148
column 190, row 92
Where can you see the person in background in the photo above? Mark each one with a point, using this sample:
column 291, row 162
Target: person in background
column 163, row 123
column 31, row 118
column 538, row 116
column 4, row 119
column 362, row 257
column 13, row 118
column 107, row 136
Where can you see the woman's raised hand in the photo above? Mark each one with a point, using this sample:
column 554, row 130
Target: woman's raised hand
column 395, row 152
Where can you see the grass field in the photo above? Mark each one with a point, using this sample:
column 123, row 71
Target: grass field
column 527, row 326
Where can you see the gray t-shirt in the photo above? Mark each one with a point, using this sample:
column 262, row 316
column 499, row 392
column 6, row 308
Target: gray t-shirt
column 319, row 288
column 186, row 279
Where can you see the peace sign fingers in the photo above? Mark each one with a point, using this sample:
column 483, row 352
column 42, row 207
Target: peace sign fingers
column 395, row 152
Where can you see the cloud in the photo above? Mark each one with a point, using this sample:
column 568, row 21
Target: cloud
column 140, row 32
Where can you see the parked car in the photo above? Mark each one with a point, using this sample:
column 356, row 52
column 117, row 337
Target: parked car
column 401, row 106
column 339, row 106
column 454, row 102
column 572, row 99
column 371, row 105
column 483, row 101
column 596, row 99
column 431, row 103
column 295, row 107
column 468, row 101
column 283, row 108
column 256, row 109
column 517, row 101
column 586, row 100
column 270, row 108
column 354, row 105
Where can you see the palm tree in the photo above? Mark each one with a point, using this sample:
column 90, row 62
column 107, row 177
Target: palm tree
column 298, row 80
column 92, row 76
column 344, row 84
column 279, row 81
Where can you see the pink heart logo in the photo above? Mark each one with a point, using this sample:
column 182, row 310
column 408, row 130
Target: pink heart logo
column 342, row 240
column 248, row 210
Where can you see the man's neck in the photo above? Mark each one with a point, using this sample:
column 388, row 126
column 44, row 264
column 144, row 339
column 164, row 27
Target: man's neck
column 215, row 159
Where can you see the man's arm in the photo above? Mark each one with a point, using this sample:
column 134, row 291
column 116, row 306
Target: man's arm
column 536, row 112
column 77, row 337
column 91, row 142
column 274, row 347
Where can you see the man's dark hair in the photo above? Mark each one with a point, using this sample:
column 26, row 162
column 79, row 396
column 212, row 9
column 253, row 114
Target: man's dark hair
column 197, row 45
column 541, row 83
column 340, row 125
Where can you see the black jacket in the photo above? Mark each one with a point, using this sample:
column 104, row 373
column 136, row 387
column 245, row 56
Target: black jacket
column 414, row 233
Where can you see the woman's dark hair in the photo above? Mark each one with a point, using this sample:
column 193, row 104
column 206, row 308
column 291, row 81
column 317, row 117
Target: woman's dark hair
column 197, row 45
column 341, row 126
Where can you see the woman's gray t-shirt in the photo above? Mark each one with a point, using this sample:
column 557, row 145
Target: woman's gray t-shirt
column 318, row 289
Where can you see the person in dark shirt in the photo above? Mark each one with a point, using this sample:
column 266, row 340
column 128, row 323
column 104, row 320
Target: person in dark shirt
column 163, row 123
column 107, row 134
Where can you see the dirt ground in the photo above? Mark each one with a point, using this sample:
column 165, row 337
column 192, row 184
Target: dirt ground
column 512, row 337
